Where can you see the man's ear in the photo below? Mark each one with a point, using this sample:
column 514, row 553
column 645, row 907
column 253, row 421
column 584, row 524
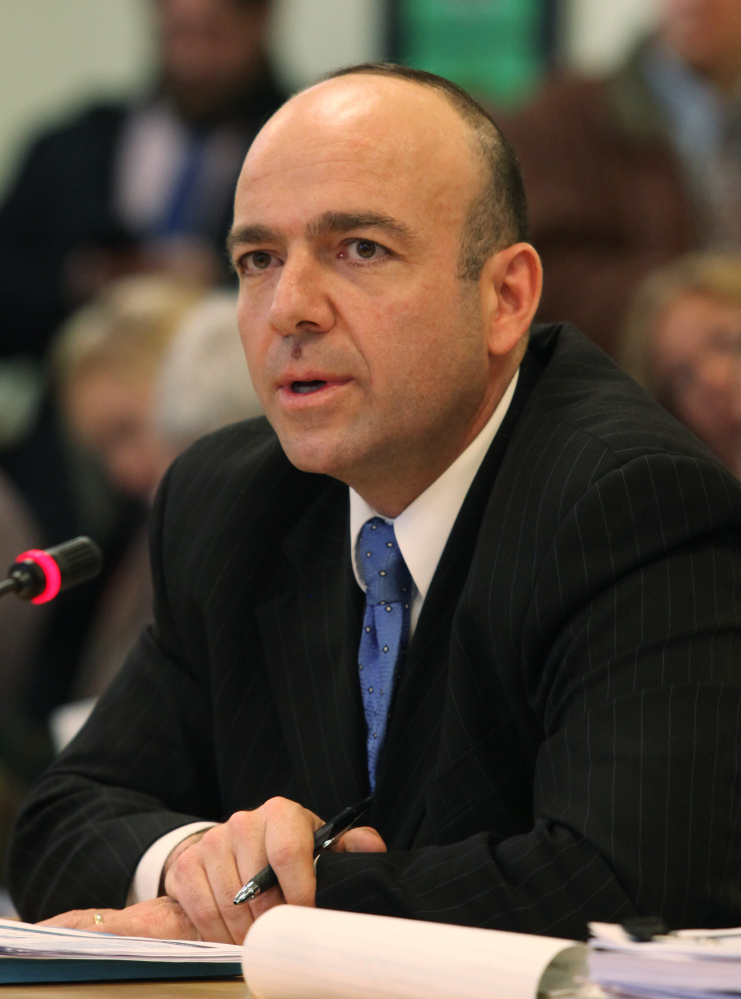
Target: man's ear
column 510, row 283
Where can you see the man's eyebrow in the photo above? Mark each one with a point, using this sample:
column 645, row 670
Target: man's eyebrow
column 251, row 234
column 329, row 222
column 339, row 222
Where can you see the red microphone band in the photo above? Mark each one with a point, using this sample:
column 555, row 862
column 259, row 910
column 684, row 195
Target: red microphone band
column 51, row 572
column 38, row 576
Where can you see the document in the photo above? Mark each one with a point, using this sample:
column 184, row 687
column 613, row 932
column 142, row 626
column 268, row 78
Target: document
column 687, row 964
column 31, row 953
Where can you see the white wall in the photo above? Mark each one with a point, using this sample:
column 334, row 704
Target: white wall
column 596, row 33
column 314, row 36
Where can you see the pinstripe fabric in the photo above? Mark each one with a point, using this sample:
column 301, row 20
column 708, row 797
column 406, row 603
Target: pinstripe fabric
column 564, row 740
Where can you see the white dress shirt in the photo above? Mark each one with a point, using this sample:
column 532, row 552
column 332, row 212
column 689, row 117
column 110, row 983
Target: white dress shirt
column 422, row 531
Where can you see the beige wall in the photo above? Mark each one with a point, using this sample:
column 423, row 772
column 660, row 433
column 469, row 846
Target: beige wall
column 596, row 33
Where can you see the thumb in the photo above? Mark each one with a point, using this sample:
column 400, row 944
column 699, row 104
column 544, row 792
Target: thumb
column 364, row 839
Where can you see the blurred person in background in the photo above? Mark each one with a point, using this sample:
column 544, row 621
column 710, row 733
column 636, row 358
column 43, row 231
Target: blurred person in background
column 105, row 364
column 147, row 184
column 143, row 371
column 144, row 185
column 682, row 342
column 628, row 171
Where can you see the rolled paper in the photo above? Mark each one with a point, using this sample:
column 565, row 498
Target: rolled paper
column 293, row 952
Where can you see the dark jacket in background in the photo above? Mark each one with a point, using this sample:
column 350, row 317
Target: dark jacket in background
column 62, row 203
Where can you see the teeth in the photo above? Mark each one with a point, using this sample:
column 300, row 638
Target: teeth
column 304, row 387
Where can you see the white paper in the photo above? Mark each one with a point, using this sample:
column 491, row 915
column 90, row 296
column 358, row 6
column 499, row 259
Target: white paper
column 28, row 940
column 686, row 963
column 299, row 953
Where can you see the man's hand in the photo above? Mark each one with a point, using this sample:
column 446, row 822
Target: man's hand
column 204, row 873
column 205, row 877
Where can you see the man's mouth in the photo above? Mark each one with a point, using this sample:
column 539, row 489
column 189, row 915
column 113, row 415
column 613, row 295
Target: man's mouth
column 304, row 388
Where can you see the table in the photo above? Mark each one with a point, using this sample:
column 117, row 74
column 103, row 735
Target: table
column 233, row 988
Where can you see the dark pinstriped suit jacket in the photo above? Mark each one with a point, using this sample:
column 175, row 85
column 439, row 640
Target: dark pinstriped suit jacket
column 564, row 741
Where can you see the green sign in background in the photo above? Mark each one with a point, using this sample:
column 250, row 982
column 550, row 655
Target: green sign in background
column 494, row 48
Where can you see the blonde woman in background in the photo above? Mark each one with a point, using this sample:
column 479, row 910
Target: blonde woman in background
column 682, row 342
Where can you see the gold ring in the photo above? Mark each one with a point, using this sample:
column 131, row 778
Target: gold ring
column 97, row 919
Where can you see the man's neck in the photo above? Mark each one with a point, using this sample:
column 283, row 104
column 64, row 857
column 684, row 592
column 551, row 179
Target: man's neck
column 389, row 492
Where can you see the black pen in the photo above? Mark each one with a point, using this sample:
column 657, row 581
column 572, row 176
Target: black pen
column 323, row 839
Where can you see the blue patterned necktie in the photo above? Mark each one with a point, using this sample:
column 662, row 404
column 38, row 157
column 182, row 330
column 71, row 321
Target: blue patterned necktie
column 385, row 627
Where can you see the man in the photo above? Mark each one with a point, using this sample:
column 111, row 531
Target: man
column 628, row 171
column 562, row 740
column 143, row 184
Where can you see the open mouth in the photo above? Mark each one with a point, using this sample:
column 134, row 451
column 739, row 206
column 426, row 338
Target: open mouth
column 304, row 388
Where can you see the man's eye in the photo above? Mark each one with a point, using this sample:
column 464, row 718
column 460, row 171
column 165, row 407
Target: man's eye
column 258, row 260
column 365, row 249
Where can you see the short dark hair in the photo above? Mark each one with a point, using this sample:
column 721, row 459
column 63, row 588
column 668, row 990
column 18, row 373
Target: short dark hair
column 498, row 215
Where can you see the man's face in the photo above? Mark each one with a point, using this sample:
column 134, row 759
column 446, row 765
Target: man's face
column 706, row 34
column 209, row 50
column 369, row 354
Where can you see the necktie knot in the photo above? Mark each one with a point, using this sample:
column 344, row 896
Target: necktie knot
column 385, row 572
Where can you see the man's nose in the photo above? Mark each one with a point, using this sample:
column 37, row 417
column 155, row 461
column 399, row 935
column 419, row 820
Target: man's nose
column 301, row 302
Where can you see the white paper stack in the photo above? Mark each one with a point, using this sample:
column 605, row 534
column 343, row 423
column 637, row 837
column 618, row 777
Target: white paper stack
column 31, row 953
column 688, row 964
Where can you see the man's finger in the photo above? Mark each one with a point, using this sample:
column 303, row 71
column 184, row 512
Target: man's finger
column 364, row 839
column 202, row 880
column 289, row 845
column 80, row 919
column 158, row 917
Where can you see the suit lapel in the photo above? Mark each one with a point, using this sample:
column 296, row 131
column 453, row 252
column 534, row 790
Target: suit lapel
column 310, row 632
column 410, row 753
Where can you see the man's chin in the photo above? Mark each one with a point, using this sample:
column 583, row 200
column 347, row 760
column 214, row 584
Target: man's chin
column 317, row 457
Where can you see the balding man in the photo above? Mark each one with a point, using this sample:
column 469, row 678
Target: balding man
column 541, row 685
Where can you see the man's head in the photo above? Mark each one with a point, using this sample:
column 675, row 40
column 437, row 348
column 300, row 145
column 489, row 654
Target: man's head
column 706, row 34
column 210, row 51
column 386, row 293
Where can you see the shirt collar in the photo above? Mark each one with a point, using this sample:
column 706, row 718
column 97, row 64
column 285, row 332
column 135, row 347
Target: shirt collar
column 422, row 530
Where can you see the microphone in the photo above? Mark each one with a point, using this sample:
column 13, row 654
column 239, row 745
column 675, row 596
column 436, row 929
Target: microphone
column 39, row 576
